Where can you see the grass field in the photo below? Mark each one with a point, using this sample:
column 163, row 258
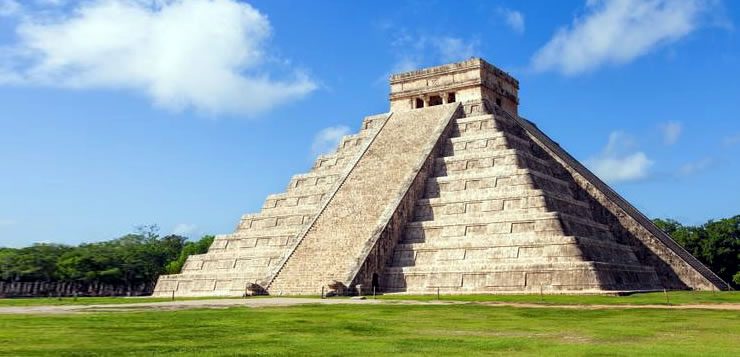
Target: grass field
column 674, row 298
column 377, row 329
column 671, row 297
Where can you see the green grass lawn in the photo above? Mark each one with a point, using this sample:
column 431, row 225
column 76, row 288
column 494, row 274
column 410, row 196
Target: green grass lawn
column 343, row 330
column 674, row 298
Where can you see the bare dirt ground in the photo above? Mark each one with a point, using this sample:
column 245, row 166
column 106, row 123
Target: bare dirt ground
column 273, row 302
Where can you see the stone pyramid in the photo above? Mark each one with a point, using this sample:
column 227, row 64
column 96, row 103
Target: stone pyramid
column 449, row 192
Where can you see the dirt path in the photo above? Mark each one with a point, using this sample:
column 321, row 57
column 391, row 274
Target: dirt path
column 272, row 302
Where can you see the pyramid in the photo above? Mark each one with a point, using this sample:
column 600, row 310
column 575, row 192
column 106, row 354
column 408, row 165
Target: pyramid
column 450, row 192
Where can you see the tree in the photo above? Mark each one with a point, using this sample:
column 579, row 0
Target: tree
column 34, row 263
column 191, row 248
column 715, row 243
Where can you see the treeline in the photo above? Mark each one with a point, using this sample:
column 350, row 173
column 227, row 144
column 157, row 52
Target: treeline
column 715, row 243
column 135, row 259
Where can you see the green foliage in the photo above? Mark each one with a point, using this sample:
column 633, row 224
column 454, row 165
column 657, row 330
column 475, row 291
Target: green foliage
column 715, row 243
column 137, row 258
column 37, row 262
column 191, row 248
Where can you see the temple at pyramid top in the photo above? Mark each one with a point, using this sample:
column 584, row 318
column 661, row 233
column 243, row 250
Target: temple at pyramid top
column 450, row 192
column 471, row 80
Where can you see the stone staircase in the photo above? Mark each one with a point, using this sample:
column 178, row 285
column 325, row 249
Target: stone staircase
column 499, row 216
column 235, row 261
column 332, row 247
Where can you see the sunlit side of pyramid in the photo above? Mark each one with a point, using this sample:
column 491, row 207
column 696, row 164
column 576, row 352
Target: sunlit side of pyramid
column 450, row 192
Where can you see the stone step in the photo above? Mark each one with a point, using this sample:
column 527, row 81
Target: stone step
column 520, row 198
column 308, row 198
column 482, row 160
column 471, row 126
column 459, row 251
column 353, row 142
column 334, row 160
column 242, row 264
column 488, row 141
column 309, row 180
column 194, row 285
column 260, row 221
column 493, row 178
column 231, row 241
column 504, row 223
column 374, row 122
column 578, row 275
column 304, row 207
column 496, row 172
column 244, row 252
column 237, row 242
column 481, row 194
column 513, row 206
column 254, row 232
column 554, row 275
column 509, row 240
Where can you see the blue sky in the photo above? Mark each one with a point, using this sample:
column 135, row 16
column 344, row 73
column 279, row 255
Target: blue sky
column 188, row 113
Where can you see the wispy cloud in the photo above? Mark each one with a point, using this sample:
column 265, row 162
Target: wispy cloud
column 185, row 229
column 210, row 56
column 691, row 168
column 7, row 222
column 731, row 140
column 617, row 32
column 451, row 49
column 671, row 132
column 414, row 51
column 327, row 139
column 620, row 161
column 514, row 19
column 9, row 7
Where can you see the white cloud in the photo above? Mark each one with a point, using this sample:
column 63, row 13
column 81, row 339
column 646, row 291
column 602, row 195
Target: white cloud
column 404, row 64
column 414, row 51
column 185, row 229
column 328, row 139
column 691, row 168
column 9, row 7
column 731, row 140
column 6, row 222
column 208, row 55
column 617, row 32
column 619, row 161
column 452, row 49
column 671, row 132
column 50, row 2
column 514, row 19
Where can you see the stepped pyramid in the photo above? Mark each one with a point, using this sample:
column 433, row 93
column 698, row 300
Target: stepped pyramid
column 452, row 192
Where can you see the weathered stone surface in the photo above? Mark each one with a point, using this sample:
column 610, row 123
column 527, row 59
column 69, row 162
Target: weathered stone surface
column 333, row 245
column 456, row 198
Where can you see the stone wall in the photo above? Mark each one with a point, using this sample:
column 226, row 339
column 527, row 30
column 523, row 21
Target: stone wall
column 63, row 289
column 471, row 80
